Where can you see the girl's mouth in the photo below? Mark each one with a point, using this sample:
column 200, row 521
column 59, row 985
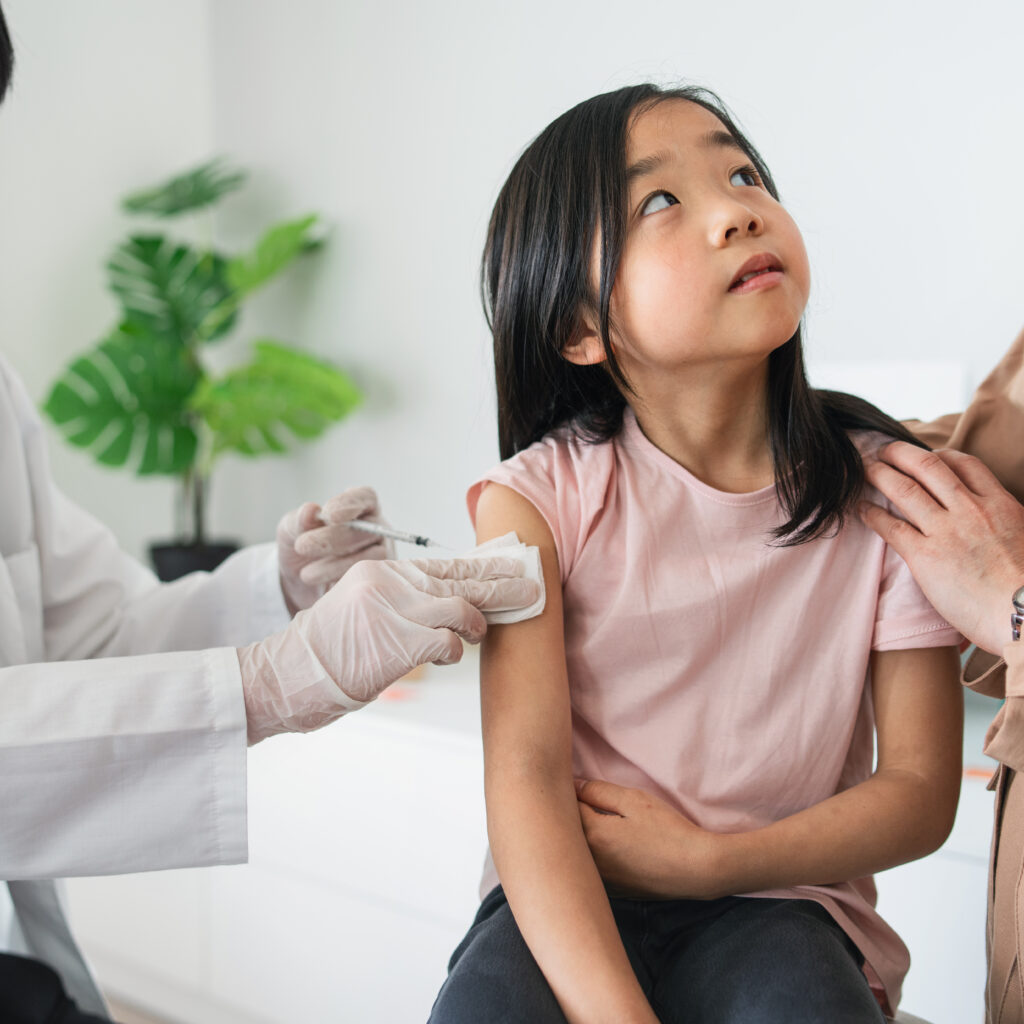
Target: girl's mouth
column 761, row 271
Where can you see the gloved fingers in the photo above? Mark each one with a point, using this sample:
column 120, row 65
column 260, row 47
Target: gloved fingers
column 496, row 595
column 336, row 539
column 355, row 503
column 447, row 648
column 294, row 524
column 451, row 613
column 327, row 571
column 469, row 568
column 492, row 593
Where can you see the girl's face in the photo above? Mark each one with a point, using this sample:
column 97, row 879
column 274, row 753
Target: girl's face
column 713, row 268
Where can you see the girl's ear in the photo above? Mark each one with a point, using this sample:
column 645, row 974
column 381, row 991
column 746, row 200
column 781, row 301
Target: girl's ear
column 584, row 348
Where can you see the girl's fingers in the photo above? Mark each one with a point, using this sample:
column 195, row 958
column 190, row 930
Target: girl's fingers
column 601, row 797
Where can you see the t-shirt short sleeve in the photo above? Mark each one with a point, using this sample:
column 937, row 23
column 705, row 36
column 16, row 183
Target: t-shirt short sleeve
column 904, row 617
column 565, row 480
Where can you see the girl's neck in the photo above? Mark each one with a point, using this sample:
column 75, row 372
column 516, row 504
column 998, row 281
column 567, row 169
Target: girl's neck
column 712, row 421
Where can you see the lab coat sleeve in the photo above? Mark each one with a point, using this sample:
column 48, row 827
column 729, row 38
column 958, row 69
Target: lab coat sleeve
column 114, row 759
column 122, row 764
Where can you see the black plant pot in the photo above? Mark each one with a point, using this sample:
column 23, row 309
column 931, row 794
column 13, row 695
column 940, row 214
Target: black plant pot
column 172, row 561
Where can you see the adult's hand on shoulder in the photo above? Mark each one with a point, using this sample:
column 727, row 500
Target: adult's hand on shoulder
column 382, row 619
column 963, row 538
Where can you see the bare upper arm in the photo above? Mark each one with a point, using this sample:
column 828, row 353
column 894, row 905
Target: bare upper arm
column 523, row 679
column 919, row 713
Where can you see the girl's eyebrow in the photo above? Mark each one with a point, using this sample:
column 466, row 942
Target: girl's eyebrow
column 646, row 165
column 717, row 138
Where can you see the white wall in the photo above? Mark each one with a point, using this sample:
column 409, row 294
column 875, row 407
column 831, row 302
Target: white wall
column 891, row 133
column 108, row 96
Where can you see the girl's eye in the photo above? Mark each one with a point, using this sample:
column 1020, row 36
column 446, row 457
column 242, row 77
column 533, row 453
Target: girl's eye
column 745, row 176
column 659, row 201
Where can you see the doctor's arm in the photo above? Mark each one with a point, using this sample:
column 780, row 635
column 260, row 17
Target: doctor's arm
column 902, row 812
column 547, row 872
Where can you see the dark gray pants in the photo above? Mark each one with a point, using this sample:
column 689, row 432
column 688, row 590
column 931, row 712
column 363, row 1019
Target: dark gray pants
column 730, row 961
column 32, row 993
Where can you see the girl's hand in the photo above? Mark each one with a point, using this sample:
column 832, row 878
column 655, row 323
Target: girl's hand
column 644, row 847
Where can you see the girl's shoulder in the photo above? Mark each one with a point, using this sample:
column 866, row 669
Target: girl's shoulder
column 565, row 477
column 559, row 461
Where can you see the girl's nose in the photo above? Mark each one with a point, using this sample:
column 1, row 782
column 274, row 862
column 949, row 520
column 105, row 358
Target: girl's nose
column 732, row 220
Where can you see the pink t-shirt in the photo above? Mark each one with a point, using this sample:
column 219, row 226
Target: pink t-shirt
column 706, row 665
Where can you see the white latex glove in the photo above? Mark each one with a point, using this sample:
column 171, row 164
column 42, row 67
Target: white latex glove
column 316, row 547
column 380, row 621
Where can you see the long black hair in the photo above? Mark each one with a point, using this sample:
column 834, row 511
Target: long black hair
column 6, row 57
column 569, row 188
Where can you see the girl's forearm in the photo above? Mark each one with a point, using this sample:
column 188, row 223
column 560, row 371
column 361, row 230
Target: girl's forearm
column 891, row 818
column 559, row 901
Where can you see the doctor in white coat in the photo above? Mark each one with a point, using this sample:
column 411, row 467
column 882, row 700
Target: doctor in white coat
column 126, row 705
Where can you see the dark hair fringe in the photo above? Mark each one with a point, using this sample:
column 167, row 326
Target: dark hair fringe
column 6, row 57
column 567, row 189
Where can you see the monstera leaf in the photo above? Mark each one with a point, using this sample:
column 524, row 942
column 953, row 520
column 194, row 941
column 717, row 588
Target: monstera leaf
column 190, row 191
column 126, row 402
column 244, row 274
column 170, row 290
column 249, row 409
column 274, row 251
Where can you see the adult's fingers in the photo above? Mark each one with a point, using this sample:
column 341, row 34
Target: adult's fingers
column 495, row 595
column 325, row 571
column 972, row 471
column 451, row 613
column 899, row 535
column 293, row 523
column 446, row 648
column 487, row 568
column 491, row 594
column 913, row 500
column 355, row 503
column 926, row 468
column 336, row 539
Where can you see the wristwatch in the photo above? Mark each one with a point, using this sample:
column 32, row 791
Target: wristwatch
column 1017, row 618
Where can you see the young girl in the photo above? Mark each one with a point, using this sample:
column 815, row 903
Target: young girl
column 722, row 637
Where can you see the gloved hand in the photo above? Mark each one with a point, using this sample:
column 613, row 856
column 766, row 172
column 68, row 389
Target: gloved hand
column 380, row 621
column 315, row 547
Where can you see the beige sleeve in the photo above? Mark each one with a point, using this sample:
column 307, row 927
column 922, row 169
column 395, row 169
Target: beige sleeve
column 992, row 425
column 1004, row 677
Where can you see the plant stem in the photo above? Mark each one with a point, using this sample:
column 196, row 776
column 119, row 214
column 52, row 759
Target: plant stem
column 198, row 509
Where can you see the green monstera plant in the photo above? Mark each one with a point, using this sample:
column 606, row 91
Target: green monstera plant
column 143, row 397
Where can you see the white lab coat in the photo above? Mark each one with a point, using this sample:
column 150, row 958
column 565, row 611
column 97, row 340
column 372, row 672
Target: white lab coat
column 114, row 758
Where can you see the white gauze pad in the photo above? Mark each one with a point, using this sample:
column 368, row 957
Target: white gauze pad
column 510, row 546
